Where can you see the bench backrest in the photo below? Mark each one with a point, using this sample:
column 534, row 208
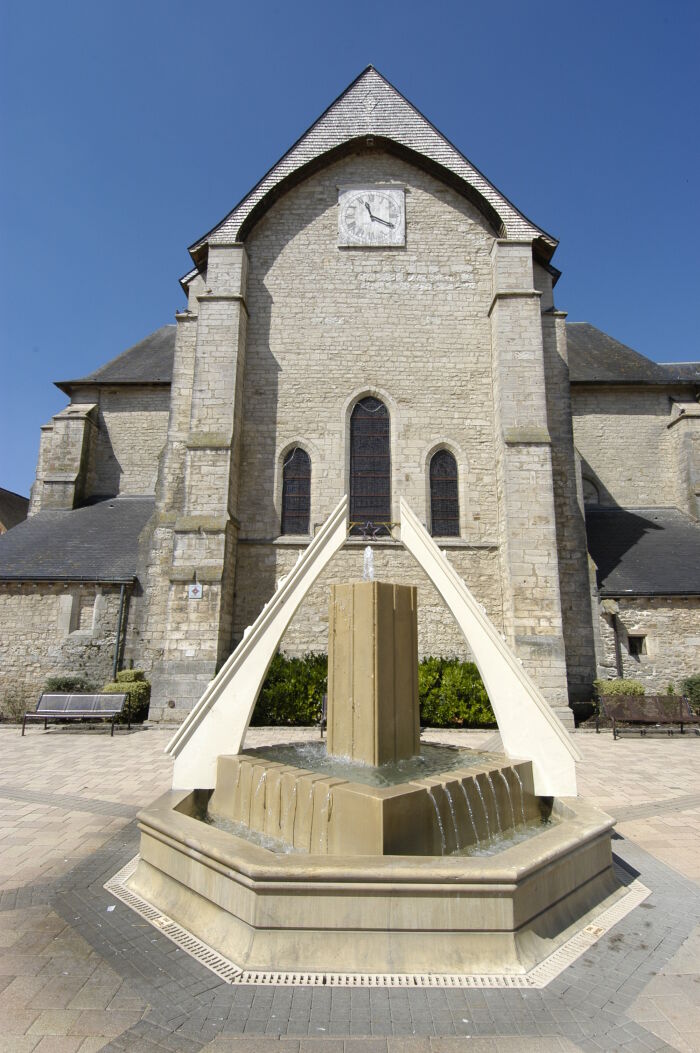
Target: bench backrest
column 55, row 703
column 646, row 708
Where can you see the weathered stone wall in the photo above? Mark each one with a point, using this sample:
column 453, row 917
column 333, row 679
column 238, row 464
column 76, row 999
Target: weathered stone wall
column 671, row 626
column 131, row 429
column 623, row 437
column 329, row 325
column 577, row 615
column 55, row 628
column 438, row 633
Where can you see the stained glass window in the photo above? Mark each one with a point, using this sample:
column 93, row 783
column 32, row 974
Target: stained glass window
column 296, row 492
column 370, row 463
column 444, row 500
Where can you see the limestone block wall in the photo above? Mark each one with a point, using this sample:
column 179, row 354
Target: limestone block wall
column 131, row 430
column 49, row 629
column 574, row 585
column 625, row 444
column 260, row 567
column 671, row 626
column 329, row 325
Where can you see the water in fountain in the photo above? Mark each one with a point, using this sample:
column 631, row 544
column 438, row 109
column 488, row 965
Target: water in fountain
column 324, row 819
column 510, row 800
column 483, row 805
column 495, row 802
column 439, row 820
column 522, row 794
column 471, row 814
column 454, row 817
column 432, row 760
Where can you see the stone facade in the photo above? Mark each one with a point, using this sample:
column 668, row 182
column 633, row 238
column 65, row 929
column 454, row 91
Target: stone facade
column 283, row 332
column 49, row 629
column 670, row 626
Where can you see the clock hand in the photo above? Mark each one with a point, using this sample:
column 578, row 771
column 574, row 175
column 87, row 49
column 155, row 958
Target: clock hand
column 376, row 219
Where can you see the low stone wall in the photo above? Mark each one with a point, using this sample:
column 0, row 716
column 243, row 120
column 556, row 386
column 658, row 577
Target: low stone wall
column 670, row 626
column 47, row 629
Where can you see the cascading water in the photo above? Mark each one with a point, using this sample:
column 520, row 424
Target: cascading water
column 439, row 820
column 471, row 814
column 483, row 805
column 495, row 802
column 522, row 794
column 324, row 819
column 454, row 817
column 510, row 800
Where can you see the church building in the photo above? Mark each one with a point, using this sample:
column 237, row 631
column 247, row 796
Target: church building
column 374, row 318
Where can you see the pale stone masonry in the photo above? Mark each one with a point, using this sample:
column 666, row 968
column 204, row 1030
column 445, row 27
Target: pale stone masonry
column 171, row 458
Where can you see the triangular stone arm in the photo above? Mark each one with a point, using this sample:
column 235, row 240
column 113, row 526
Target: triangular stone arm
column 529, row 729
column 219, row 721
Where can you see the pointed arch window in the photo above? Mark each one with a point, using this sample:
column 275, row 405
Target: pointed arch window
column 444, row 498
column 370, row 464
column 296, row 492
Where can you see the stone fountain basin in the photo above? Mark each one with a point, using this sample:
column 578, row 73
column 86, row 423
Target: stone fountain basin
column 500, row 914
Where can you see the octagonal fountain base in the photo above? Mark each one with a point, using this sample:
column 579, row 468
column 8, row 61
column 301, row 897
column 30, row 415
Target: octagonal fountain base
column 266, row 910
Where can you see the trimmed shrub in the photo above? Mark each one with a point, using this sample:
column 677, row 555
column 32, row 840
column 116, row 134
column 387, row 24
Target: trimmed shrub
column 452, row 695
column 293, row 691
column 691, row 689
column 69, row 684
column 130, row 676
column 138, row 690
column 618, row 687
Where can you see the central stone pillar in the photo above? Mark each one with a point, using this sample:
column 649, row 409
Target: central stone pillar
column 373, row 672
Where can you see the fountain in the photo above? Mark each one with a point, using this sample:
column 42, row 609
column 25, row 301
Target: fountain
column 375, row 855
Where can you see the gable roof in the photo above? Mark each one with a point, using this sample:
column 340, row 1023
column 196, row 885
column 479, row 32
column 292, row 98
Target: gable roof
column 597, row 358
column 98, row 542
column 13, row 508
column 371, row 107
column 150, row 361
column 644, row 551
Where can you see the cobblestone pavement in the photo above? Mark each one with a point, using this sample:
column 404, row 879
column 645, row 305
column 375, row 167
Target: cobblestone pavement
column 80, row 972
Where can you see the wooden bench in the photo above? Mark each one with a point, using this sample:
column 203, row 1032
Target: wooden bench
column 78, row 707
column 648, row 710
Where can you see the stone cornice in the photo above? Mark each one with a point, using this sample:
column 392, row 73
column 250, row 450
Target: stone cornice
column 223, row 298
column 514, row 294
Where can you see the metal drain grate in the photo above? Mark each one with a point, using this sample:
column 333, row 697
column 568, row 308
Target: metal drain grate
column 537, row 977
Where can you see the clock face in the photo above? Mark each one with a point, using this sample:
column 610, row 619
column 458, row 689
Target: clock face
column 371, row 215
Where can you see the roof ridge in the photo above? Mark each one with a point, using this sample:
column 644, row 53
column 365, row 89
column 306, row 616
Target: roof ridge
column 326, row 135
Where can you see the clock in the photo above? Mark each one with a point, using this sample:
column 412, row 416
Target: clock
column 373, row 216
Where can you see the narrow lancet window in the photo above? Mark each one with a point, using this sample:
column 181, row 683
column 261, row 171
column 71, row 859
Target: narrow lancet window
column 444, row 499
column 370, row 465
column 296, row 492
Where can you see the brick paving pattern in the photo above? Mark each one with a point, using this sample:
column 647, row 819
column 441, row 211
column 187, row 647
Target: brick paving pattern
column 81, row 972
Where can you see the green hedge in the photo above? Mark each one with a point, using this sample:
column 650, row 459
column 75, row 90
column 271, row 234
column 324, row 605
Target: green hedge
column 293, row 691
column 618, row 687
column 69, row 684
column 451, row 693
column 134, row 683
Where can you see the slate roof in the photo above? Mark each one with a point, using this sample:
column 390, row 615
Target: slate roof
column 595, row 357
column 644, row 551
column 98, row 542
column 371, row 107
column 687, row 370
column 148, row 362
column 13, row 508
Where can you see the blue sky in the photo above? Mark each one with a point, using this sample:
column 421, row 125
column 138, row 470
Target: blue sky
column 128, row 129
